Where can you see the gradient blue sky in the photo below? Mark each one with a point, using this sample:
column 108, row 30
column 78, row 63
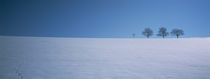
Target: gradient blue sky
column 103, row 18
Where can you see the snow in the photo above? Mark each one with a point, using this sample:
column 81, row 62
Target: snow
column 104, row 58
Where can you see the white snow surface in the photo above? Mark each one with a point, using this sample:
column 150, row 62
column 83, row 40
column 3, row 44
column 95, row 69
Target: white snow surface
column 104, row 58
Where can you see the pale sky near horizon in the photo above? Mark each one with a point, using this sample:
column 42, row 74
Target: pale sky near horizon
column 103, row 18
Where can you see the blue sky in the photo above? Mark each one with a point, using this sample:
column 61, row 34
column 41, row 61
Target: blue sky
column 103, row 18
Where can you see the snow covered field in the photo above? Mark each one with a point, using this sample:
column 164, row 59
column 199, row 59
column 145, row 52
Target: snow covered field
column 104, row 58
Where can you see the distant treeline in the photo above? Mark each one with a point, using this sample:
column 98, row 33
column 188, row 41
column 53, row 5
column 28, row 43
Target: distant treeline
column 162, row 32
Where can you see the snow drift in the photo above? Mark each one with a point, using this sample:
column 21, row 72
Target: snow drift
column 104, row 58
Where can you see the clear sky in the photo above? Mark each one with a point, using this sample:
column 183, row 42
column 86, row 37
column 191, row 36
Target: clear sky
column 103, row 18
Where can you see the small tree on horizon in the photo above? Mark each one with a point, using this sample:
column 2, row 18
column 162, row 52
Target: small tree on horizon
column 147, row 32
column 133, row 35
column 162, row 32
column 177, row 32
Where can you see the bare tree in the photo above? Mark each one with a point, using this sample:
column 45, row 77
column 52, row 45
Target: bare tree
column 147, row 32
column 162, row 32
column 177, row 32
column 133, row 35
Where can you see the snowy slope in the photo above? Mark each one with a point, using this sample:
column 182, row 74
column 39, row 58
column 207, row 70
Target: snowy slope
column 103, row 58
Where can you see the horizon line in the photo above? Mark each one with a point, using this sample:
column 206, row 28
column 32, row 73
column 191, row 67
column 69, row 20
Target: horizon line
column 98, row 37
